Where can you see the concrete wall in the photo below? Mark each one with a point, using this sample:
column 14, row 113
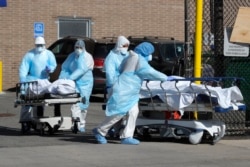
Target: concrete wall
column 110, row 18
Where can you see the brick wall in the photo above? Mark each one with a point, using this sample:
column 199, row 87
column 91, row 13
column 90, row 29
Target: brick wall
column 110, row 18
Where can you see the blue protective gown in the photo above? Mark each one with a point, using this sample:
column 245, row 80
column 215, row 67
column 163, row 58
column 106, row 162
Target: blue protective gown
column 33, row 65
column 126, row 89
column 111, row 66
column 75, row 68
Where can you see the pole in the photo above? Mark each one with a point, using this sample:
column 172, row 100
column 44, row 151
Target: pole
column 198, row 43
column 198, row 39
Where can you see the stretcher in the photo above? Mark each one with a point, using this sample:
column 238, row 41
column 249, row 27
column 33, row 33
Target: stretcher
column 169, row 108
column 34, row 98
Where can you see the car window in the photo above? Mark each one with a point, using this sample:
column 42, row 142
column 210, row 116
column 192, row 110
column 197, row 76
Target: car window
column 56, row 48
column 171, row 51
column 68, row 48
column 102, row 50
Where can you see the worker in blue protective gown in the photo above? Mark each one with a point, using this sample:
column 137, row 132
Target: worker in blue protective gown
column 125, row 93
column 36, row 64
column 113, row 60
column 78, row 67
column 111, row 67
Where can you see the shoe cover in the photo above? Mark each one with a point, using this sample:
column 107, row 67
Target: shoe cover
column 81, row 129
column 100, row 139
column 130, row 140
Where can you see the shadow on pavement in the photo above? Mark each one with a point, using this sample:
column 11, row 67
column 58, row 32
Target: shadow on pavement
column 97, row 98
column 7, row 131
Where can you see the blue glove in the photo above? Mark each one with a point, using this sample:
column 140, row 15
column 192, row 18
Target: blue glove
column 170, row 78
column 47, row 69
column 22, row 80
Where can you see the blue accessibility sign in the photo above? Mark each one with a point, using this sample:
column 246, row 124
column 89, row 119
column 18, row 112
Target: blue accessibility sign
column 38, row 29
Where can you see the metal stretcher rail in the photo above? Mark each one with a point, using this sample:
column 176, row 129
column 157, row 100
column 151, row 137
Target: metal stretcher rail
column 199, row 104
column 157, row 117
column 27, row 94
column 24, row 97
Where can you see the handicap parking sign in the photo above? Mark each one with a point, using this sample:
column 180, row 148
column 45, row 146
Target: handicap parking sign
column 38, row 29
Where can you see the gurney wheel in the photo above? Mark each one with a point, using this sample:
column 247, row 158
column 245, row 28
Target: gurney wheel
column 220, row 134
column 25, row 127
column 43, row 128
column 143, row 133
column 214, row 141
column 75, row 128
column 42, row 132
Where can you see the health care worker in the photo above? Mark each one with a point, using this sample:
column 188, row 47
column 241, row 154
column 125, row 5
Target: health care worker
column 36, row 64
column 78, row 67
column 111, row 66
column 113, row 61
column 125, row 93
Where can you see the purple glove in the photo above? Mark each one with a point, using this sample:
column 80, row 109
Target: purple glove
column 47, row 69
column 170, row 78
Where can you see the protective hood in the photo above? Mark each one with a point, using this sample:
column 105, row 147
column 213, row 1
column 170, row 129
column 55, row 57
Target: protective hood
column 121, row 40
column 39, row 40
column 145, row 49
column 80, row 43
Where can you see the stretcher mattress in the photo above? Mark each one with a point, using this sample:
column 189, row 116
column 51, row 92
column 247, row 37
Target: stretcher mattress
column 182, row 94
column 42, row 92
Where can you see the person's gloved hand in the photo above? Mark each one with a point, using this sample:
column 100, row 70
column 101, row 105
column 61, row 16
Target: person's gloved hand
column 170, row 78
column 47, row 69
column 22, row 80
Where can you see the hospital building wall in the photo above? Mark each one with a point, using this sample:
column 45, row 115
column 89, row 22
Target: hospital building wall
column 108, row 17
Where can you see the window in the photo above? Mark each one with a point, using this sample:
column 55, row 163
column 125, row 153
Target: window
column 74, row 27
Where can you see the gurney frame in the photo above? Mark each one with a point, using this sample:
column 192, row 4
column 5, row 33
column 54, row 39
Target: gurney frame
column 47, row 124
column 152, row 118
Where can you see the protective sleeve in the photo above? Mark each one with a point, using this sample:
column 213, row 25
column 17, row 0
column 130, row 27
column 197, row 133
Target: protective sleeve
column 81, row 68
column 89, row 60
column 51, row 61
column 24, row 67
column 110, row 69
column 64, row 74
column 146, row 72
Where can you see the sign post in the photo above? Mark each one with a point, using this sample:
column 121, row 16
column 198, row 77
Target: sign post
column 38, row 29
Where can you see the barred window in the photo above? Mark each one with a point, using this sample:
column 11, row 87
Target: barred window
column 74, row 27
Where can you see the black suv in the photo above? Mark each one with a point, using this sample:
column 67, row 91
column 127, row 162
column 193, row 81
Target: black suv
column 63, row 47
column 102, row 48
column 99, row 49
column 168, row 56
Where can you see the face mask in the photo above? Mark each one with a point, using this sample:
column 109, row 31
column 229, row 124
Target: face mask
column 124, row 50
column 40, row 49
column 150, row 58
column 78, row 51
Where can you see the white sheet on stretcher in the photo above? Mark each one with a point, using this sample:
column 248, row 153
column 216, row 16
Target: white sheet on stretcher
column 178, row 100
column 58, row 87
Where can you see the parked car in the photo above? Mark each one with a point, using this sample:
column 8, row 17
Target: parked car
column 102, row 48
column 63, row 47
column 168, row 56
column 99, row 49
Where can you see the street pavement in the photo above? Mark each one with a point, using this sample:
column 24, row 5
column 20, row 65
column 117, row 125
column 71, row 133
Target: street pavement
column 68, row 149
